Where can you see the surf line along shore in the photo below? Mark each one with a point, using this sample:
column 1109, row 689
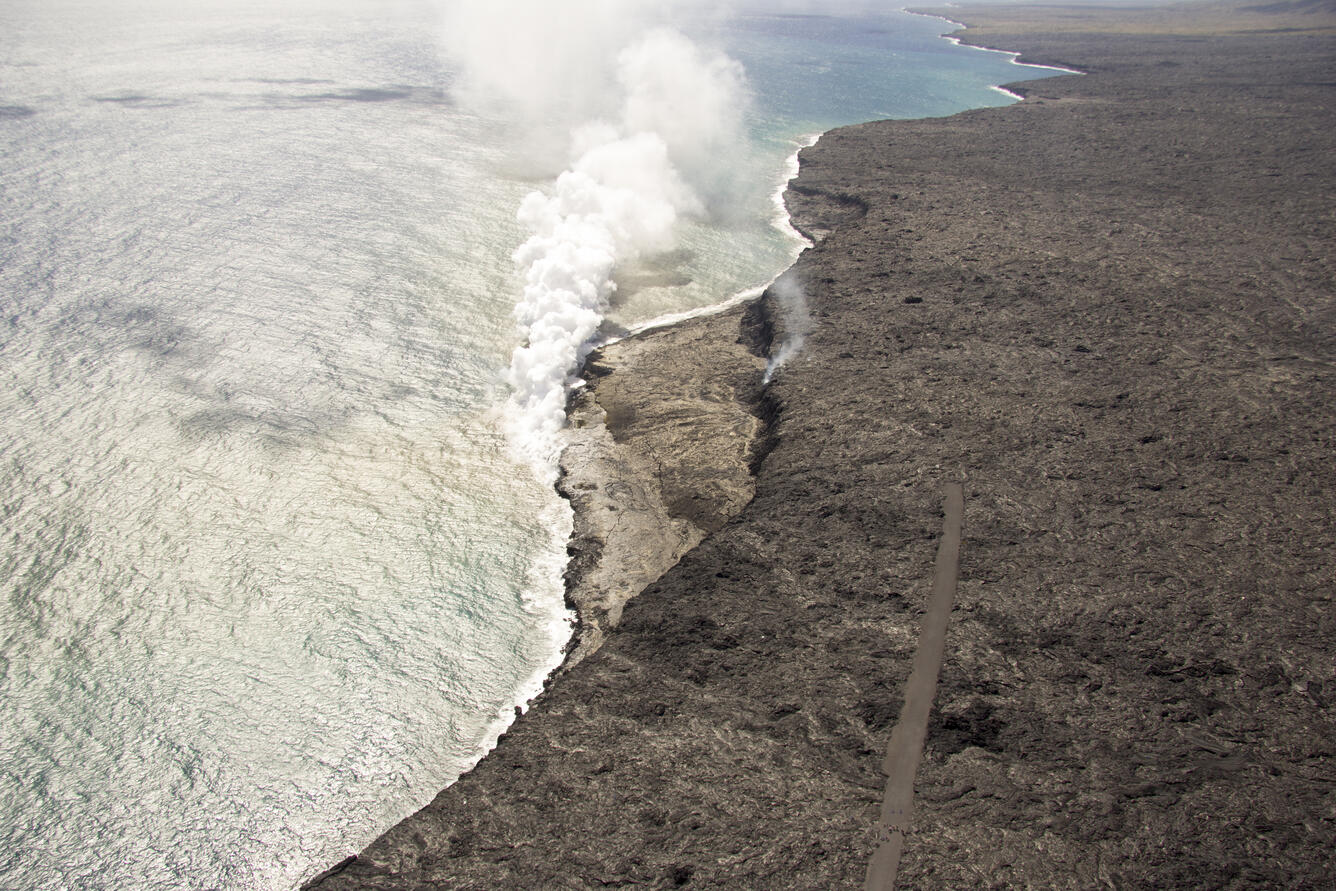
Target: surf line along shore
column 1111, row 305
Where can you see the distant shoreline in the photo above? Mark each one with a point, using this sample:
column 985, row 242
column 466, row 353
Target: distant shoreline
column 963, row 40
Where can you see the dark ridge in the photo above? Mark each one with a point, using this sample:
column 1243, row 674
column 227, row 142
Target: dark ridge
column 757, row 333
column 331, row 872
column 815, row 212
column 757, row 328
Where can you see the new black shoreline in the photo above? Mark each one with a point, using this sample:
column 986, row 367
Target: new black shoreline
column 1110, row 310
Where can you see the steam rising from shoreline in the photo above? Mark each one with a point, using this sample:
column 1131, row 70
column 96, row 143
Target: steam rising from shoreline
column 620, row 199
column 651, row 128
column 795, row 320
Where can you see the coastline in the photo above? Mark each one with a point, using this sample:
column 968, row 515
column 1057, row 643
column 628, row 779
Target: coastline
column 963, row 40
column 599, row 577
column 674, row 742
column 747, row 295
column 612, row 473
column 659, row 454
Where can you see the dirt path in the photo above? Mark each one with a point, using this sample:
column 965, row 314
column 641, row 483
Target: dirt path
column 906, row 746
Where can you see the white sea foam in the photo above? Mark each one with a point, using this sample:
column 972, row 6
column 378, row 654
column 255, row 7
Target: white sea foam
column 543, row 598
column 791, row 168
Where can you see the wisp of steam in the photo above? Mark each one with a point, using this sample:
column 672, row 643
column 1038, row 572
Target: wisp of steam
column 795, row 321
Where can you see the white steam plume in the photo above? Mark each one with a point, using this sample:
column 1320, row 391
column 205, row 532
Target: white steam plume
column 693, row 100
column 680, row 117
column 621, row 198
column 539, row 63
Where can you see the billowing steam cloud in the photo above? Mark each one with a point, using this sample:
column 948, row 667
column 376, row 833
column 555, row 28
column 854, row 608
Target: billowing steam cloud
column 651, row 125
column 621, row 198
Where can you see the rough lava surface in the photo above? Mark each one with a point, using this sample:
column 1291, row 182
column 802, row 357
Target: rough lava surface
column 1109, row 310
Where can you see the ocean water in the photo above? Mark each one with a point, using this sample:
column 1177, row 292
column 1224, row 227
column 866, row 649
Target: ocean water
column 275, row 564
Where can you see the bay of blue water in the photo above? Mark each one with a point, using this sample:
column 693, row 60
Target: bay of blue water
column 271, row 573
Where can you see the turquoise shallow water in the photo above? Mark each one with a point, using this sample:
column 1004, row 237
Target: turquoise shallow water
column 272, row 571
